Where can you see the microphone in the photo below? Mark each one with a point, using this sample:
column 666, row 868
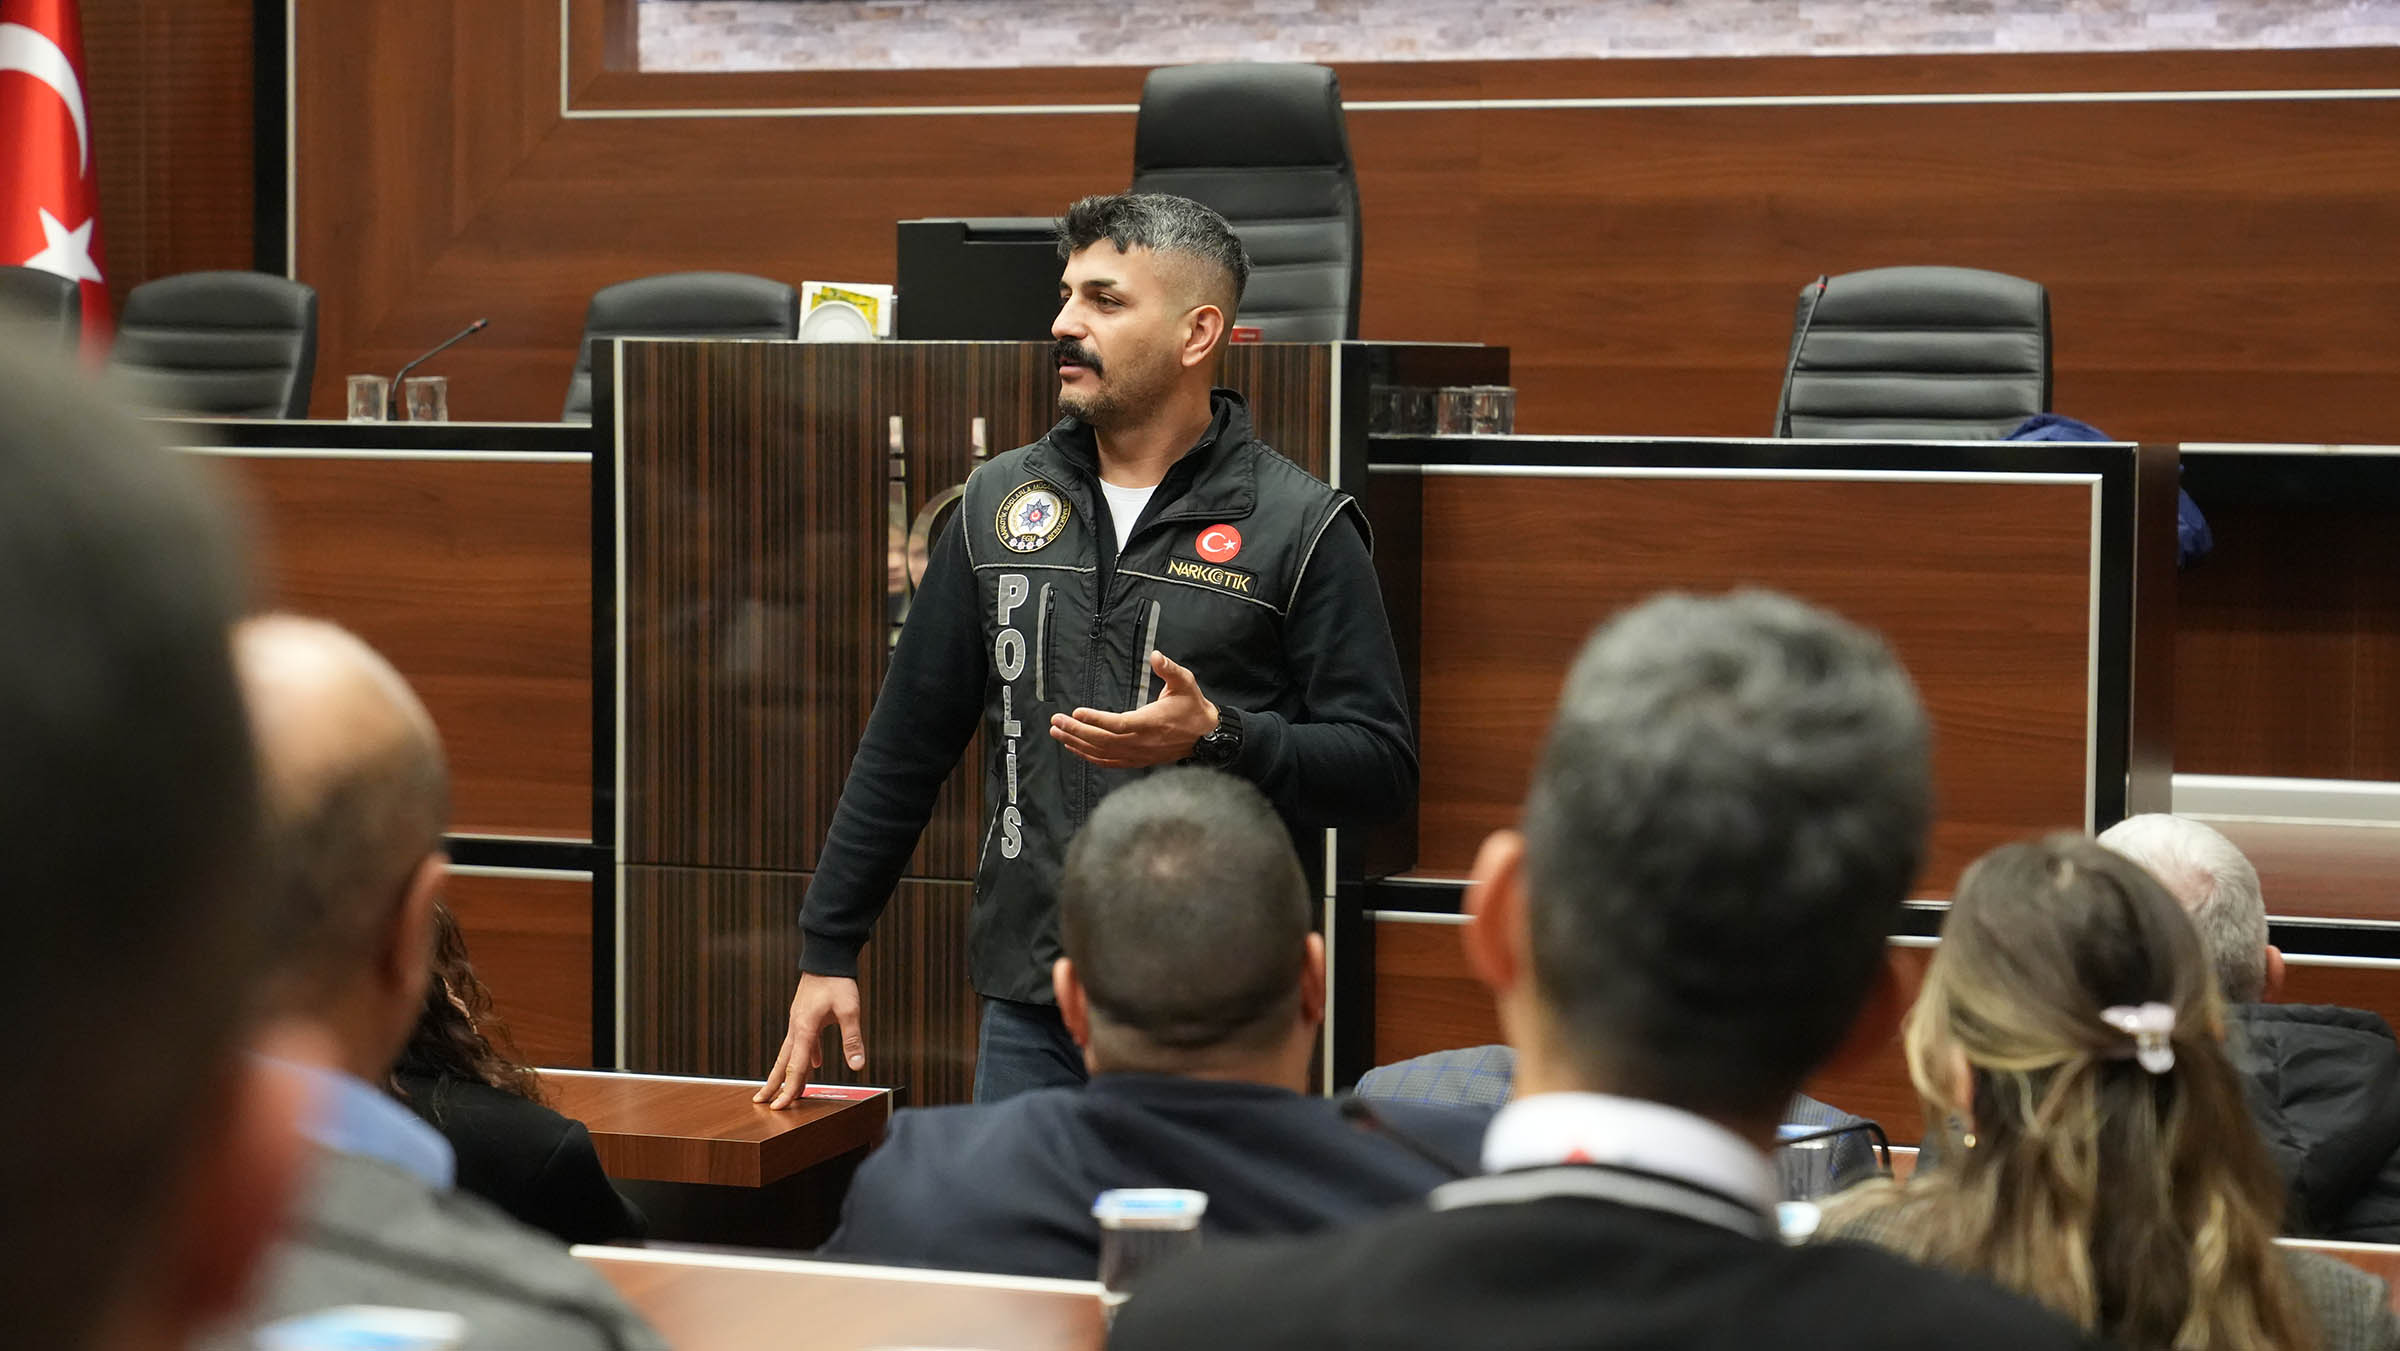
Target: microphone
column 1357, row 1112
column 1791, row 365
column 392, row 399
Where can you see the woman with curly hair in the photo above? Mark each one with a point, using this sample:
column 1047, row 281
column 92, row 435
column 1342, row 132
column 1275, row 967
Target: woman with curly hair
column 512, row 1149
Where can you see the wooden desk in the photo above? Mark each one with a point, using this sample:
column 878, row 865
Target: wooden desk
column 653, row 1128
column 707, row 1165
column 706, row 1302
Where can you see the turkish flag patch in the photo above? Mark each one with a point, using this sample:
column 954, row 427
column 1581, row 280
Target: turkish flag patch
column 1219, row 543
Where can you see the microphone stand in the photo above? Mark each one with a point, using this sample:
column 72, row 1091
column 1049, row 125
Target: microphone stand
column 391, row 398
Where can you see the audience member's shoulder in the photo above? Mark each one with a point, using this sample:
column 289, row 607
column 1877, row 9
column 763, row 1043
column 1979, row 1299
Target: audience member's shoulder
column 2351, row 1308
column 1502, row 1277
column 1826, row 1281
column 922, row 1145
column 1454, row 1132
column 439, row 1247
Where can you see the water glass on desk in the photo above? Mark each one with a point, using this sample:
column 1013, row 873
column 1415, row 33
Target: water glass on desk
column 1141, row 1228
column 370, row 398
column 427, row 398
column 1492, row 411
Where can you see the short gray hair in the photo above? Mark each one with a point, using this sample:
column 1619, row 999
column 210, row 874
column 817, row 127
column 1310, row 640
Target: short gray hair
column 2216, row 886
column 1727, row 815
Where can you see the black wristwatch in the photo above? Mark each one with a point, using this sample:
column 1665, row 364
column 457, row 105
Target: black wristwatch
column 1221, row 747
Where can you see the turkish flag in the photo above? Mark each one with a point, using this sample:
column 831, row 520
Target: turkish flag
column 49, row 194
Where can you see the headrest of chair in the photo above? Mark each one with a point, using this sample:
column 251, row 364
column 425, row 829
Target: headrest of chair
column 221, row 300
column 1930, row 297
column 1254, row 114
column 719, row 304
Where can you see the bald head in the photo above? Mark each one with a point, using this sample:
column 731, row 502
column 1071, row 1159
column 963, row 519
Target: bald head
column 357, row 794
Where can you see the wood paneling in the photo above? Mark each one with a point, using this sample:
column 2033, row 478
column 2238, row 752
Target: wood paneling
column 474, row 579
column 1425, row 998
column 759, row 552
column 2215, row 266
column 708, row 1131
column 712, row 956
column 2287, row 653
column 169, row 94
column 697, row 1307
column 531, row 941
column 2323, row 871
column 1983, row 588
column 1427, row 1001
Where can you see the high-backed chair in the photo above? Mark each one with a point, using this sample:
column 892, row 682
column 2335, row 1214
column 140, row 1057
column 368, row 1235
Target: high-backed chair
column 219, row 344
column 1917, row 353
column 1265, row 145
column 42, row 306
column 681, row 305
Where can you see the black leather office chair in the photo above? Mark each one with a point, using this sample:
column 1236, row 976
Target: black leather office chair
column 41, row 306
column 1917, row 353
column 681, row 305
column 1265, row 145
column 220, row 344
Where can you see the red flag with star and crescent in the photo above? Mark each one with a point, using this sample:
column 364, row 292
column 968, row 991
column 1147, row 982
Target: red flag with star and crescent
column 49, row 192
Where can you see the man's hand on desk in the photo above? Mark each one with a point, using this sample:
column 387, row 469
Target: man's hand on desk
column 818, row 1001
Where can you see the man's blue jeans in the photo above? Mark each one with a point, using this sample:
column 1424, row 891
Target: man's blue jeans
column 1024, row 1047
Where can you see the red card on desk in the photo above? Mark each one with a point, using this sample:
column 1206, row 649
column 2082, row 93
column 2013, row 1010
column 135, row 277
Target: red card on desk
column 843, row 1092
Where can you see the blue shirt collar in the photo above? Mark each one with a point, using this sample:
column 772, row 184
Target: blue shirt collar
column 352, row 1116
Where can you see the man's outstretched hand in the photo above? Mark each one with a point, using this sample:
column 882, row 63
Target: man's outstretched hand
column 818, row 1001
column 1160, row 732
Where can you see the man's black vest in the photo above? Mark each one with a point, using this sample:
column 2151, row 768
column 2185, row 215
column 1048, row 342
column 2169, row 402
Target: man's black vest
column 1207, row 578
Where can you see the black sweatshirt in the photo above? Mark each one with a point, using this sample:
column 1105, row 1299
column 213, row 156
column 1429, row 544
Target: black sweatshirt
column 1292, row 634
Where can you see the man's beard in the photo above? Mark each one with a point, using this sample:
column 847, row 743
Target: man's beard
column 1128, row 398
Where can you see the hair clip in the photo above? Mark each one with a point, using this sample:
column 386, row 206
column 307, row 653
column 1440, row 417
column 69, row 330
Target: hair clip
column 2149, row 1025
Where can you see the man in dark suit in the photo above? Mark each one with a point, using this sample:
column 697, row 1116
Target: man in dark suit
column 1730, row 808
column 2322, row 1081
column 1195, row 985
column 358, row 798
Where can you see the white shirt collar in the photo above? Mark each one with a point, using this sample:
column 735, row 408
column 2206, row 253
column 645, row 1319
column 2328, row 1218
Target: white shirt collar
column 1645, row 1137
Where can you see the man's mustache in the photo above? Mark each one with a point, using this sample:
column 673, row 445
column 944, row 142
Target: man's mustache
column 1068, row 352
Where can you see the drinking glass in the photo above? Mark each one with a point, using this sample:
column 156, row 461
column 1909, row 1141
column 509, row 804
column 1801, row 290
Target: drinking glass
column 427, row 398
column 370, row 398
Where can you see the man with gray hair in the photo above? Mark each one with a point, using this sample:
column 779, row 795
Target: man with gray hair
column 1148, row 583
column 2323, row 1081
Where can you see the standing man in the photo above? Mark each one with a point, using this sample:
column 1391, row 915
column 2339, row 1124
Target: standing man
column 1146, row 584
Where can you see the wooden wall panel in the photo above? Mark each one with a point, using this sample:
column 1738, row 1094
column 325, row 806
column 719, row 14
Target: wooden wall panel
column 2288, row 646
column 474, row 579
column 1982, row 588
column 531, row 941
column 712, row 956
column 2214, row 265
column 169, row 93
column 759, row 553
column 1427, row 1001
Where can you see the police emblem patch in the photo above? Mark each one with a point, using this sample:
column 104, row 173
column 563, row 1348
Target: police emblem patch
column 1031, row 516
